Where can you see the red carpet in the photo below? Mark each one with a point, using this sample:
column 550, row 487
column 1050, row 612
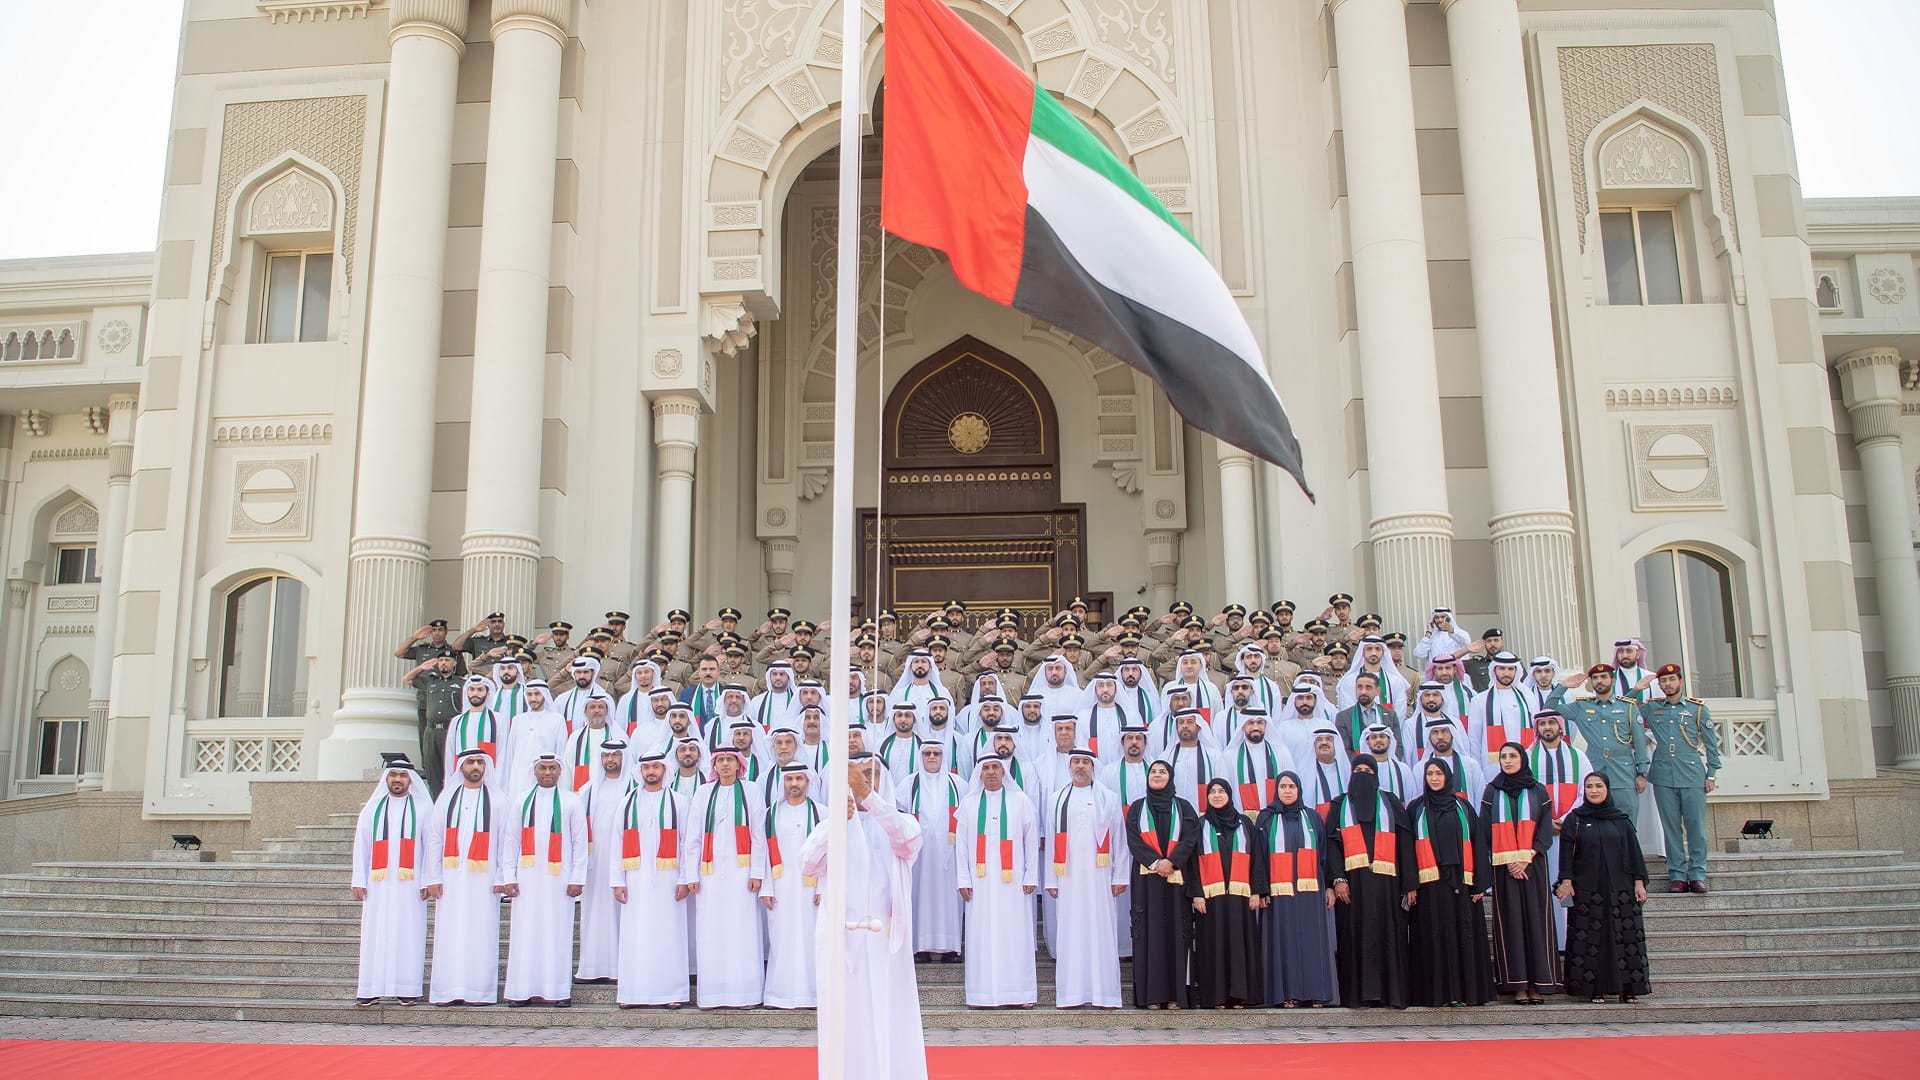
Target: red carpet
column 1702, row 1057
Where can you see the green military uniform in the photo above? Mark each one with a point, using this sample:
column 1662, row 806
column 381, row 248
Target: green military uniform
column 1616, row 742
column 1686, row 754
column 440, row 703
column 477, row 648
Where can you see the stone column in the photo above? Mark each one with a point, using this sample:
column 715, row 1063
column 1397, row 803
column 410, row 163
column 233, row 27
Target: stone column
column 387, row 560
column 500, row 553
column 1163, row 567
column 1870, row 388
column 14, row 701
column 1239, row 567
column 1411, row 531
column 1531, row 522
column 676, row 440
column 781, row 558
column 113, row 535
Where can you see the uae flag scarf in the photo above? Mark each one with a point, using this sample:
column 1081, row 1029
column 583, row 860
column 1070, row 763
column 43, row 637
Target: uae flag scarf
column 1426, row 858
column 776, row 866
column 1384, row 859
column 742, row 829
column 1296, row 868
column 1225, row 862
column 529, row 824
column 382, row 833
column 1035, row 212
column 1102, row 852
column 666, row 856
column 480, row 846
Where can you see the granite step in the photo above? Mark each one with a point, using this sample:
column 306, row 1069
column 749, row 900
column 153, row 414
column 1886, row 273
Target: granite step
column 1677, row 919
column 164, row 888
column 1789, row 860
column 1791, row 939
column 259, row 947
column 342, row 831
column 341, row 848
column 1751, row 985
column 1837, row 877
column 1811, row 895
column 1652, row 1009
column 1851, row 958
column 142, row 904
column 216, row 871
column 294, row 858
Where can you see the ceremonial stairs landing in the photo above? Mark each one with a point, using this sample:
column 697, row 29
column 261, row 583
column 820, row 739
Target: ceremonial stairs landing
column 272, row 935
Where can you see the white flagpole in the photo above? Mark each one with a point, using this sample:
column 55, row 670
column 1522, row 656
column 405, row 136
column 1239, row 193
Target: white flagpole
column 831, row 1014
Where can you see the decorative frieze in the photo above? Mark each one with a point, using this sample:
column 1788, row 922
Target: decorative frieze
column 1671, row 395
column 272, row 430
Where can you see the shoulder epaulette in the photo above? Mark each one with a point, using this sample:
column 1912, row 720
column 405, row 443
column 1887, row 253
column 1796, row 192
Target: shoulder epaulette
column 1695, row 701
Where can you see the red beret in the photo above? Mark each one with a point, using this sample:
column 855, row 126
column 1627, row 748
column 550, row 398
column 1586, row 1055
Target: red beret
column 1668, row 669
column 1600, row 669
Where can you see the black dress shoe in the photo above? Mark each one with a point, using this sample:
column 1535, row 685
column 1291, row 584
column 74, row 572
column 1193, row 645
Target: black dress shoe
column 563, row 1003
column 952, row 958
column 512, row 1004
column 1697, row 886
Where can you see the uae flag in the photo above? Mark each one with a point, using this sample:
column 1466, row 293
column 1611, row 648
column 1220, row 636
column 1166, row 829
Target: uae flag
column 1035, row 212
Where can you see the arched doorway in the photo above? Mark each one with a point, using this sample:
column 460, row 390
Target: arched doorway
column 970, row 505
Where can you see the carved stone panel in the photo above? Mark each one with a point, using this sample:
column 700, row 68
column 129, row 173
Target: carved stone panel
column 271, row 499
column 1675, row 466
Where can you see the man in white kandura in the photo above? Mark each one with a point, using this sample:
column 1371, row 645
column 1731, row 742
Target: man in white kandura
column 395, row 862
column 789, row 895
column 932, row 796
column 547, row 868
column 601, row 801
column 651, row 885
column 473, row 816
column 997, row 875
column 883, row 1036
column 726, row 816
column 1086, row 867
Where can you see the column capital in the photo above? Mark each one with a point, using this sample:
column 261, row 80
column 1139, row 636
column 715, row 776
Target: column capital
column 676, row 424
column 1870, row 376
column 443, row 20
column 546, row 16
column 17, row 591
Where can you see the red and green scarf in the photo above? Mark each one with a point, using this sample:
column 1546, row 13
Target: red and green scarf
column 1256, row 794
column 667, row 855
column 1512, row 827
column 1150, row 836
column 480, row 847
column 1384, row 858
column 1423, row 853
column 742, row 830
column 484, row 726
column 1296, row 870
column 555, row 857
column 775, row 864
column 1225, row 864
column 980, row 840
column 583, row 754
column 382, row 834
column 1102, row 852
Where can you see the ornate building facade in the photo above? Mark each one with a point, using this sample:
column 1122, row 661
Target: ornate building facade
column 527, row 305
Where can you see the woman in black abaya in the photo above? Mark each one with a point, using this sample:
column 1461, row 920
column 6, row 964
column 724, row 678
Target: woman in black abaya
column 1370, row 848
column 1447, row 933
column 1516, row 824
column 1161, row 832
column 1604, row 874
column 1228, row 883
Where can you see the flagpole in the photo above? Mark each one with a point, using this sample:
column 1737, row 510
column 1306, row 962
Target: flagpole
column 831, row 1014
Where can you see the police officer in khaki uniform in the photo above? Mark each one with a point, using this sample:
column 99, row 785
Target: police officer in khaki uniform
column 553, row 651
column 619, row 649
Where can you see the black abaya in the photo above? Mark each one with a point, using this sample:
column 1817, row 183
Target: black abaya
column 1606, row 938
column 1526, row 951
column 1447, row 934
column 1226, row 938
column 1162, row 911
column 1372, row 928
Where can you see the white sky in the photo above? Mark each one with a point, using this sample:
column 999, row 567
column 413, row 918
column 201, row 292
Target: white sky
column 84, row 112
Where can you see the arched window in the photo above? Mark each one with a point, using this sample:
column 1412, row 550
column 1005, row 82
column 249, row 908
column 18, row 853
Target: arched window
column 290, row 223
column 1688, row 615
column 62, row 717
column 263, row 662
column 1647, row 182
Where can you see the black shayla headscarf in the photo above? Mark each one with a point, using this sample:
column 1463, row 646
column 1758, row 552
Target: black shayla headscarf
column 1601, row 811
column 1513, row 783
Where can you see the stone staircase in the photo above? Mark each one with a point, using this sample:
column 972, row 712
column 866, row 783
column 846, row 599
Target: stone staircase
column 272, row 935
